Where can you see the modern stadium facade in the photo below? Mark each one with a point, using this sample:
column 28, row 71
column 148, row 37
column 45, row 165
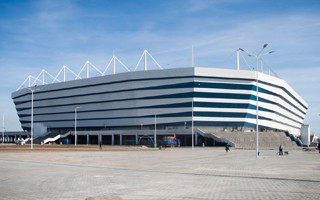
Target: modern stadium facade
column 167, row 100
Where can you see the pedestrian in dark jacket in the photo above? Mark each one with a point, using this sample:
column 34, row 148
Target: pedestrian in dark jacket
column 227, row 148
column 280, row 150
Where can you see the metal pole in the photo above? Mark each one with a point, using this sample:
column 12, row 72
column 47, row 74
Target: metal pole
column 238, row 59
column 192, row 133
column 87, row 68
column 155, row 130
column 257, row 109
column 32, row 92
column 114, row 63
column 64, row 73
column 32, row 119
column 3, row 128
column 145, row 60
column 258, row 56
column 257, row 102
column 75, row 126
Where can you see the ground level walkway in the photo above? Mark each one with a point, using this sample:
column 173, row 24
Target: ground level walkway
column 141, row 173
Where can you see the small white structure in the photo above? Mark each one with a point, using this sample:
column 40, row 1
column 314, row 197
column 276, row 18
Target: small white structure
column 305, row 134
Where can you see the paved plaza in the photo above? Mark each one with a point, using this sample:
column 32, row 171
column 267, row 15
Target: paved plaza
column 173, row 173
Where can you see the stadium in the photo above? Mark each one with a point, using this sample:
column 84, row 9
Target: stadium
column 196, row 105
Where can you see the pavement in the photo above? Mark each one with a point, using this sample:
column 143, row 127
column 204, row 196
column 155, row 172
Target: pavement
column 173, row 173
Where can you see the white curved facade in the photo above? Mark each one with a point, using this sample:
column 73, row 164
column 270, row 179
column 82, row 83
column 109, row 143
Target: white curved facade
column 222, row 98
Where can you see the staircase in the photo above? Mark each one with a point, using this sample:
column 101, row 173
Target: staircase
column 56, row 137
column 248, row 140
column 40, row 139
column 216, row 138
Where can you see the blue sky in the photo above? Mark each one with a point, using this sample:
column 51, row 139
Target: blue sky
column 48, row 34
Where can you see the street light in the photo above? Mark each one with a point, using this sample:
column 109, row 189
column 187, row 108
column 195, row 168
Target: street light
column 261, row 63
column 3, row 128
column 258, row 57
column 75, row 125
column 155, row 130
column 192, row 131
column 32, row 92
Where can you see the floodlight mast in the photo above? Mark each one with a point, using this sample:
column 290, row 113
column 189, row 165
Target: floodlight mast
column 258, row 57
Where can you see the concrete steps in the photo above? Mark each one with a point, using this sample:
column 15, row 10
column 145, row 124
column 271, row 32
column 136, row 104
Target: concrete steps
column 267, row 140
column 38, row 140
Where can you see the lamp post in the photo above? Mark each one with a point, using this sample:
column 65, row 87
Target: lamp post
column 155, row 130
column 3, row 128
column 192, row 131
column 258, row 58
column 32, row 92
column 75, row 125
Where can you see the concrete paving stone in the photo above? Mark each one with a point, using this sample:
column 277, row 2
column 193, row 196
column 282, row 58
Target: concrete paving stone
column 178, row 173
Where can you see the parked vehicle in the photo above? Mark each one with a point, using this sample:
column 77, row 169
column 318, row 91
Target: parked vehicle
column 169, row 141
column 20, row 142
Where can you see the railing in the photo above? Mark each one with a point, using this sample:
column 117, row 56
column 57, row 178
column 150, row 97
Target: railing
column 56, row 137
column 21, row 141
column 218, row 139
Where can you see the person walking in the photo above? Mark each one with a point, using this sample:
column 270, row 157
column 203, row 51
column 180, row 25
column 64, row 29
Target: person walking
column 100, row 145
column 319, row 145
column 280, row 150
column 227, row 148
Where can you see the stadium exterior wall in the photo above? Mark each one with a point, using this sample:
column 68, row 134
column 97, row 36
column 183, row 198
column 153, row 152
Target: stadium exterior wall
column 221, row 98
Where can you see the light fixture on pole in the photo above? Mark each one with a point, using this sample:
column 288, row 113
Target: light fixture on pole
column 261, row 63
column 258, row 57
column 32, row 92
column 75, row 125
